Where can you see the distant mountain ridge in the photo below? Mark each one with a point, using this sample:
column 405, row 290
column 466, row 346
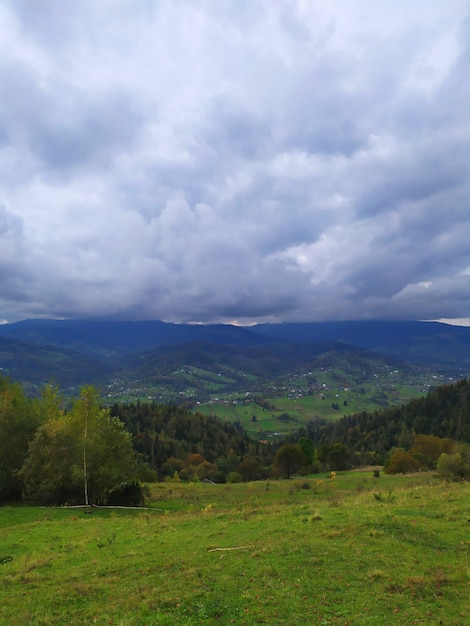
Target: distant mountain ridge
column 108, row 338
column 38, row 364
column 433, row 344
column 76, row 352
column 429, row 343
column 263, row 361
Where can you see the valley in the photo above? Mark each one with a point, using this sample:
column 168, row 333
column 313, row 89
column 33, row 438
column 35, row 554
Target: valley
column 269, row 408
column 268, row 379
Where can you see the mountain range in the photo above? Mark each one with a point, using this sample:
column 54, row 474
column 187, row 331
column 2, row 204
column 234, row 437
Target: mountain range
column 75, row 352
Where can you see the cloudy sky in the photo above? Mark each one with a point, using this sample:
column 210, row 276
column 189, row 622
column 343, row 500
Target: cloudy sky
column 227, row 160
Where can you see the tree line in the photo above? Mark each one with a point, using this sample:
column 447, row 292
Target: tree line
column 174, row 442
column 53, row 455
column 369, row 436
column 56, row 452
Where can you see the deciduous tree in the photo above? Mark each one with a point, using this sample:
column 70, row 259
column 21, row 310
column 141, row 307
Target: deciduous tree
column 427, row 449
column 19, row 419
column 306, row 445
column 335, row 456
column 455, row 465
column 80, row 456
column 401, row 462
column 289, row 459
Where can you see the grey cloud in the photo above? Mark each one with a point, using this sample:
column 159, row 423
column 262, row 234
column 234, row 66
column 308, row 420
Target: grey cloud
column 235, row 133
column 49, row 22
column 15, row 276
column 11, row 225
column 97, row 130
column 264, row 161
column 446, row 295
column 64, row 131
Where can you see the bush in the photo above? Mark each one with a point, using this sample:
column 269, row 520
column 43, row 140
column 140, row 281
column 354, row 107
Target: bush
column 401, row 462
column 234, row 477
column 427, row 449
column 251, row 468
column 303, row 484
column 128, row 494
column 456, row 465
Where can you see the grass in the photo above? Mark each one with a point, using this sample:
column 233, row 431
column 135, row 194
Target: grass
column 303, row 409
column 335, row 385
column 357, row 550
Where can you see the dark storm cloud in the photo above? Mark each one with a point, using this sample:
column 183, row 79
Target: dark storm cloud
column 264, row 161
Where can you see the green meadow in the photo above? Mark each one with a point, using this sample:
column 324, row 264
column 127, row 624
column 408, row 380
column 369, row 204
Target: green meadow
column 289, row 413
column 356, row 549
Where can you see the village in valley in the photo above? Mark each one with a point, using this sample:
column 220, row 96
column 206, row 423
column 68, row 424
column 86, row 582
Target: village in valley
column 270, row 408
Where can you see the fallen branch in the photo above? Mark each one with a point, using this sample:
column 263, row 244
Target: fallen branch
column 237, row 548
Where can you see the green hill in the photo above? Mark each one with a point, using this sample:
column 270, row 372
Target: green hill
column 443, row 412
column 35, row 365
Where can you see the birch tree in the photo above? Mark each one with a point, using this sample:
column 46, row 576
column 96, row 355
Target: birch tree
column 78, row 457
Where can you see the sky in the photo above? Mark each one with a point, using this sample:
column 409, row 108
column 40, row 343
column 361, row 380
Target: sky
column 240, row 162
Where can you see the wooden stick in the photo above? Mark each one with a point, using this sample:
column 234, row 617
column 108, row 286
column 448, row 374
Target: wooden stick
column 237, row 548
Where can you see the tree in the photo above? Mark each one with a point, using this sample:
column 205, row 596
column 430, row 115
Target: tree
column 251, row 468
column 173, row 465
column 227, row 464
column 306, row 445
column 427, row 449
column 401, row 462
column 207, row 471
column 335, row 456
column 48, row 470
column 234, row 477
column 19, row 419
column 289, row 459
column 455, row 465
column 80, row 456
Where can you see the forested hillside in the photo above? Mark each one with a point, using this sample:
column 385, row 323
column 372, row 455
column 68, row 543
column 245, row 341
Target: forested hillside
column 35, row 365
column 436, row 345
column 444, row 412
column 172, row 439
column 54, row 451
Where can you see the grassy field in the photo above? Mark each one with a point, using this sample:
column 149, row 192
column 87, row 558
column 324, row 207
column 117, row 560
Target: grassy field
column 333, row 385
column 356, row 550
column 301, row 409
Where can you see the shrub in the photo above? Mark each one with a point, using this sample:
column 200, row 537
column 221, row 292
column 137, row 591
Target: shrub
column 401, row 462
column 234, row 477
column 427, row 449
column 456, row 465
column 128, row 494
column 251, row 469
